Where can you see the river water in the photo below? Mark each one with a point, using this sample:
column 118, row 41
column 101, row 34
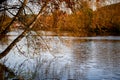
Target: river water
column 65, row 58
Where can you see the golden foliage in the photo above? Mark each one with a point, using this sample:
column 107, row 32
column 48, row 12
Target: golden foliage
column 4, row 21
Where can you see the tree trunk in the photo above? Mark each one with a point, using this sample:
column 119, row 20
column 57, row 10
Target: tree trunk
column 23, row 34
column 6, row 30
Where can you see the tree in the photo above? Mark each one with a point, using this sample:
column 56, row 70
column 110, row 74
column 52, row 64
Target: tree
column 53, row 6
column 16, row 13
column 106, row 18
column 20, row 9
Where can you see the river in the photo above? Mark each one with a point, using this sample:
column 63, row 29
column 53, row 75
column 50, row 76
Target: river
column 65, row 58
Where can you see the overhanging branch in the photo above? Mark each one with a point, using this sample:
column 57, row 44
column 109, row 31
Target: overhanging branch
column 18, row 13
column 23, row 34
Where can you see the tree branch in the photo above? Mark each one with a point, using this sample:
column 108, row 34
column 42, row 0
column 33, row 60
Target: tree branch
column 4, row 9
column 20, row 10
column 23, row 34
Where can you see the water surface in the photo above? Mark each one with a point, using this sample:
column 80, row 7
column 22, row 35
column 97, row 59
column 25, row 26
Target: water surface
column 66, row 58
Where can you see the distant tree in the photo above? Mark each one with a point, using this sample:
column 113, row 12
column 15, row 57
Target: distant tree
column 107, row 18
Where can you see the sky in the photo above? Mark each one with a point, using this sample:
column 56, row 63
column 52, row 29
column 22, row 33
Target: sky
column 107, row 2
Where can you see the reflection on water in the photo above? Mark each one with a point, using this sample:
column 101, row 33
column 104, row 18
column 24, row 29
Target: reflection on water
column 101, row 59
column 94, row 58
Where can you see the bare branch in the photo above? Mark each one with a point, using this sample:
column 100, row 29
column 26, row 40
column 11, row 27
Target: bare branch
column 18, row 13
column 23, row 34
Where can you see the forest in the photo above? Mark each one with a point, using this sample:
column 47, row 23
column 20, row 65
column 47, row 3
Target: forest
column 82, row 22
column 72, row 18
